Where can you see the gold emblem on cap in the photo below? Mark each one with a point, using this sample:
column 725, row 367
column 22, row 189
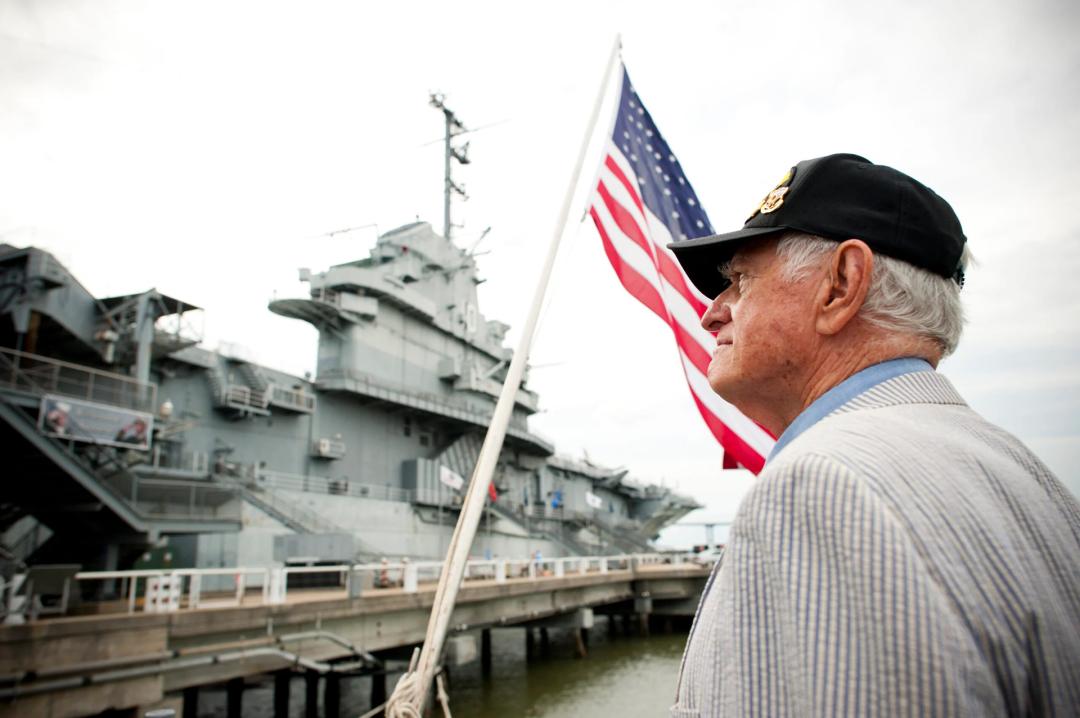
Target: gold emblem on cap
column 775, row 199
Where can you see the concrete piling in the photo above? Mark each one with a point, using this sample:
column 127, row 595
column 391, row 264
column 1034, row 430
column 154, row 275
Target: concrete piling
column 191, row 702
column 485, row 651
column 234, row 698
column 530, row 644
column 581, row 642
column 332, row 696
column 378, row 688
column 311, row 694
column 281, row 693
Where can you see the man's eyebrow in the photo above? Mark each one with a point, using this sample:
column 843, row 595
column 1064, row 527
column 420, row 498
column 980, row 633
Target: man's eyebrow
column 734, row 265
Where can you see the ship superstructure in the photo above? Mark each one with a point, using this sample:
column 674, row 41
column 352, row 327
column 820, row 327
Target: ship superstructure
column 123, row 433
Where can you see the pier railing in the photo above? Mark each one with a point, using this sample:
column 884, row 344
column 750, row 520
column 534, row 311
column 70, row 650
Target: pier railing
column 181, row 589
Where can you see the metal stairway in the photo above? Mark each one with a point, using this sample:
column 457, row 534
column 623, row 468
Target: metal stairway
column 83, row 487
column 572, row 545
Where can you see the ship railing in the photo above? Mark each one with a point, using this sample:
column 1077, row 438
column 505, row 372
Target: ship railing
column 188, row 463
column 168, row 590
column 244, row 396
column 329, row 485
column 326, row 296
column 296, row 399
column 546, row 511
column 175, row 498
column 37, row 374
column 427, row 401
column 557, row 513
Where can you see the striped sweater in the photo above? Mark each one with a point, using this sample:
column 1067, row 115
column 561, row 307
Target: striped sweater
column 902, row 557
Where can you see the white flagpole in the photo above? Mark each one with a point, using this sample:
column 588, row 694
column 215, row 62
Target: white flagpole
column 411, row 692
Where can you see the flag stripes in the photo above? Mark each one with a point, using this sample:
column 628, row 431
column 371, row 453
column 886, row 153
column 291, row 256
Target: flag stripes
column 640, row 200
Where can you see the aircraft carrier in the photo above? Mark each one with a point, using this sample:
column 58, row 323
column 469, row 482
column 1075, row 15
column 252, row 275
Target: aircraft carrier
column 127, row 444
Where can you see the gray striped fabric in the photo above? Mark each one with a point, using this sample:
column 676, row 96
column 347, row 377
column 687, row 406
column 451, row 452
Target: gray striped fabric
column 902, row 557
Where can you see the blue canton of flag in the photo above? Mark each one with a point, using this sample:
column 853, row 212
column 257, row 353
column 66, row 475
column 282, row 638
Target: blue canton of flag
column 658, row 174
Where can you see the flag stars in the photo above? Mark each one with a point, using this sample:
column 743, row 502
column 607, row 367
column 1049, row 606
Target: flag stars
column 652, row 159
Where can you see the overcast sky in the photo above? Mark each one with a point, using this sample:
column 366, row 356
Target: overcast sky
column 206, row 148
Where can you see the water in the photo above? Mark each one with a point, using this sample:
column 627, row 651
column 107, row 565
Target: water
column 624, row 676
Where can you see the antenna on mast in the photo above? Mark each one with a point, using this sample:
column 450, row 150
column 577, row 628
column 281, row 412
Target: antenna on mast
column 454, row 127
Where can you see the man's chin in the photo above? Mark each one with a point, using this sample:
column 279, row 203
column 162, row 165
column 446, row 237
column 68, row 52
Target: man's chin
column 722, row 383
column 730, row 387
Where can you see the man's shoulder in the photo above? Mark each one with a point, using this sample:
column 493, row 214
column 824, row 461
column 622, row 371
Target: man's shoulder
column 919, row 409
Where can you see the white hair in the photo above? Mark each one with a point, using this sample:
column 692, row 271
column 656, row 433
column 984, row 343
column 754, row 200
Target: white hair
column 902, row 297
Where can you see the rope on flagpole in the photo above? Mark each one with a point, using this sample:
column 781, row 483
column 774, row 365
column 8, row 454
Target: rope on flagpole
column 411, row 692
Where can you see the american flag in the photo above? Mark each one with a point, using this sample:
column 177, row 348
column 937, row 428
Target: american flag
column 642, row 202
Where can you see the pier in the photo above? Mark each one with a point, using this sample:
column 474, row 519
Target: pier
column 153, row 638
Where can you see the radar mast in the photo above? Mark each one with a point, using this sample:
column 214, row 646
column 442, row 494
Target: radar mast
column 454, row 128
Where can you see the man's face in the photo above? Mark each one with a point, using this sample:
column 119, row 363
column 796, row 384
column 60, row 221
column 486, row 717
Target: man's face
column 764, row 327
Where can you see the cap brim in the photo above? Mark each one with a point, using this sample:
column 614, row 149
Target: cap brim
column 702, row 257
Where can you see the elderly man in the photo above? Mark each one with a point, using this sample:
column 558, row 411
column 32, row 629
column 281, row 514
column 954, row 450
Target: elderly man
column 899, row 555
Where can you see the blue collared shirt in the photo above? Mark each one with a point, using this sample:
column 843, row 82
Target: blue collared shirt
column 844, row 392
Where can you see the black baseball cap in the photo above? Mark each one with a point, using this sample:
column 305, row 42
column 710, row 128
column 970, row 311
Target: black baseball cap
column 841, row 197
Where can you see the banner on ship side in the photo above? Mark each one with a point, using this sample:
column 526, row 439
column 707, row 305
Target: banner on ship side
column 593, row 500
column 87, row 421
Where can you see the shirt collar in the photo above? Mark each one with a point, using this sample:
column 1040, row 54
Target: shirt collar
column 844, row 392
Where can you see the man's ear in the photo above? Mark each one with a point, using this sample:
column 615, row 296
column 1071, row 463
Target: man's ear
column 844, row 291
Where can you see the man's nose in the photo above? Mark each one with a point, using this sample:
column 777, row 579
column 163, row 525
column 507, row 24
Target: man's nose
column 718, row 314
